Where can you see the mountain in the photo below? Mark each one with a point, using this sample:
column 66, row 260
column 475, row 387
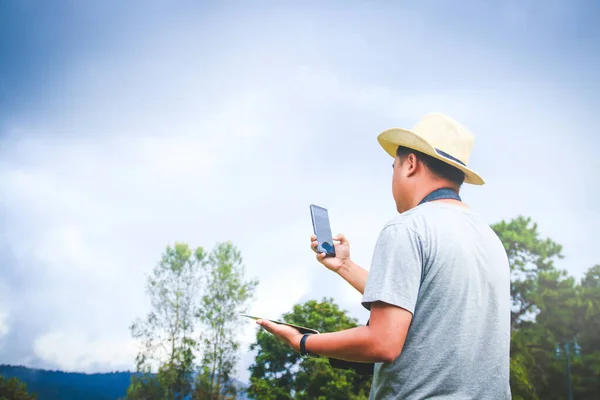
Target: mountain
column 59, row 385
column 51, row 385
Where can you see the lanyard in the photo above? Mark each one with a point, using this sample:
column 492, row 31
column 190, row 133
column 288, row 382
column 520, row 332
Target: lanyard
column 441, row 193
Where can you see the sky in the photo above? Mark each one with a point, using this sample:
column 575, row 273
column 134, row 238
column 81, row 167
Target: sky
column 126, row 127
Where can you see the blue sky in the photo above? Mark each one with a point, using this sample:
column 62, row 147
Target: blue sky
column 124, row 128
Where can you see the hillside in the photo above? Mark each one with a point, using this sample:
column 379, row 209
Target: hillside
column 59, row 385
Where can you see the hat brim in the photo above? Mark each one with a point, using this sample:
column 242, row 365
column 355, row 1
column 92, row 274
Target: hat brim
column 392, row 138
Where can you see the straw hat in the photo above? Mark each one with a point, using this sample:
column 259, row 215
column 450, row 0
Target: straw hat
column 438, row 136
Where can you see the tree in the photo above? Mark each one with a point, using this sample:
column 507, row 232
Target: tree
column 14, row 389
column 534, row 281
column 549, row 307
column 530, row 258
column 226, row 296
column 570, row 312
column 588, row 314
column 196, row 300
column 145, row 387
column 167, row 333
column 280, row 373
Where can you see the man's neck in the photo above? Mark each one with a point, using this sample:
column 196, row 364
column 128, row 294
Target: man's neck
column 424, row 190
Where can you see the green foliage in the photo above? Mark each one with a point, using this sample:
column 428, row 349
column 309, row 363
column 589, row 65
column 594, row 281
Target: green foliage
column 566, row 313
column 225, row 297
column 530, row 257
column 589, row 310
column 549, row 307
column 145, row 387
column 167, row 334
column 280, row 373
column 14, row 389
column 196, row 298
column 587, row 369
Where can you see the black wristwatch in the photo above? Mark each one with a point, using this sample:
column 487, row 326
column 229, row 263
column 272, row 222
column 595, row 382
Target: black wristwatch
column 303, row 351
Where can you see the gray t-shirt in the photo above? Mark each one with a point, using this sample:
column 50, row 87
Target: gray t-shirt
column 446, row 266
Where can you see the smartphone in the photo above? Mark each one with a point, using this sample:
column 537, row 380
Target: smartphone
column 322, row 229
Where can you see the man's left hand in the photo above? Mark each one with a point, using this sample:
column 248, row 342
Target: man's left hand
column 285, row 333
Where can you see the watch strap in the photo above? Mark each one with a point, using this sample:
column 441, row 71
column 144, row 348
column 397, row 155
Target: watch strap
column 303, row 351
column 303, row 345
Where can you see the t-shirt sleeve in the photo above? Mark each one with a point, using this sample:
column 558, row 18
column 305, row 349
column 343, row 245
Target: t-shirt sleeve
column 396, row 267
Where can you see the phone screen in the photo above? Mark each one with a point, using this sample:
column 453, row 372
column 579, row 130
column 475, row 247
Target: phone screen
column 322, row 229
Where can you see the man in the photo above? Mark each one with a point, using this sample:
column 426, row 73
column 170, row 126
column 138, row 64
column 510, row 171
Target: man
column 438, row 289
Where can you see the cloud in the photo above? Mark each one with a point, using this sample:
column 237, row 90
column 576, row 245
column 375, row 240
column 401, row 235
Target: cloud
column 80, row 351
column 4, row 329
column 88, row 214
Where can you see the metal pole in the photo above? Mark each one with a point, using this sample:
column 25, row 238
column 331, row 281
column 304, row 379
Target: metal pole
column 568, row 369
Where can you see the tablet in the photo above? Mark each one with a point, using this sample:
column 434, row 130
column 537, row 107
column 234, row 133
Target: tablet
column 302, row 329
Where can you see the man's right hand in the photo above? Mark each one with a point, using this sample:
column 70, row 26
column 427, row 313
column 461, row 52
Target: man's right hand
column 342, row 253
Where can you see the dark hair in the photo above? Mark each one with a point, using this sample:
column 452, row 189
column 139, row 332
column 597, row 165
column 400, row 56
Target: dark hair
column 438, row 167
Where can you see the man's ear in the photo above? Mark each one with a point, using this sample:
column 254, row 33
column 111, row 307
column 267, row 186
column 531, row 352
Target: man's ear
column 411, row 164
